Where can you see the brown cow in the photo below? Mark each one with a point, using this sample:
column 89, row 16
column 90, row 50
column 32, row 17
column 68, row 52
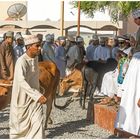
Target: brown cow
column 88, row 79
column 49, row 79
column 71, row 83
column 5, row 93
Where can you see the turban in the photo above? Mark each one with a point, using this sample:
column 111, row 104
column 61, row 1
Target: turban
column 136, row 13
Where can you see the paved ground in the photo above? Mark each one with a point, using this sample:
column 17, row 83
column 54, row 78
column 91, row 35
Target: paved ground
column 70, row 123
column 4, row 120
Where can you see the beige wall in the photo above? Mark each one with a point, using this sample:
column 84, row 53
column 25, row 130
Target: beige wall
column 127, row 27
column 4, row 5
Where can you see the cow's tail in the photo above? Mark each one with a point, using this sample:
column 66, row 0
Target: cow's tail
column 68, row 101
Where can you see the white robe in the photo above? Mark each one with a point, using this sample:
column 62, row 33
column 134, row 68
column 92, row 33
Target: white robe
column 26, row 114
column 109, row 84
column 128, row 117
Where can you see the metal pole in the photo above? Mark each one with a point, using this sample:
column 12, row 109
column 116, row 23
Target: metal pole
column 62, row 19
column 78, row 23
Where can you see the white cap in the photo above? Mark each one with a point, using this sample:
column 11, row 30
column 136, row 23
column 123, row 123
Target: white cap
column 121, row 39
column 31, row 39
column 136, row 13
column 127, row 51
column 18, row 36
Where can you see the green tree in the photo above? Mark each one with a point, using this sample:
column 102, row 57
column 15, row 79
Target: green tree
column 117, row 9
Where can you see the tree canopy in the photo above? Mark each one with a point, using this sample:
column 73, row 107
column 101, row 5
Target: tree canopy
column 117, row 9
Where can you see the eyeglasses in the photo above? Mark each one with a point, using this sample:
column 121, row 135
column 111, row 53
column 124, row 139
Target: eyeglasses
column 37, row 45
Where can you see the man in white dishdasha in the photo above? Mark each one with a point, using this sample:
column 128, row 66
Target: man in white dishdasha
column 26, row 114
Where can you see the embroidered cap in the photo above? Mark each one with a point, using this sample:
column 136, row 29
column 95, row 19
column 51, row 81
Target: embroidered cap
column 136, row 13
column 30, row 39
column 18, row 36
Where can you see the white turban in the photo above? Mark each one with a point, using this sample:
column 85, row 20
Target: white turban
column 136, row 13
column 18, row 36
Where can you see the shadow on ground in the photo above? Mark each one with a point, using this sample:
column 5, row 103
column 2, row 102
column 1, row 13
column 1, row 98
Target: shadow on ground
column 69, row 127
column 4, row 136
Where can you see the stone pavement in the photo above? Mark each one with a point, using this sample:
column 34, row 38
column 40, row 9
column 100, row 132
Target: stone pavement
column 4, row 123
column 70, row 123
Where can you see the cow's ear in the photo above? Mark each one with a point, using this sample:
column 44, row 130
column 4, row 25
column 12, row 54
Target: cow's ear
column 70, row 81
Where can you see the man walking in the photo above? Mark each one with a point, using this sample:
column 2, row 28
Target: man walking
column 26, row 114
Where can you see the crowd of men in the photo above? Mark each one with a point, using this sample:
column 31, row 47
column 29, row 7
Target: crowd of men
column 69, row 53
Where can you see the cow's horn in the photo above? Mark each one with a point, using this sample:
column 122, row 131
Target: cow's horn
column 6, row 85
